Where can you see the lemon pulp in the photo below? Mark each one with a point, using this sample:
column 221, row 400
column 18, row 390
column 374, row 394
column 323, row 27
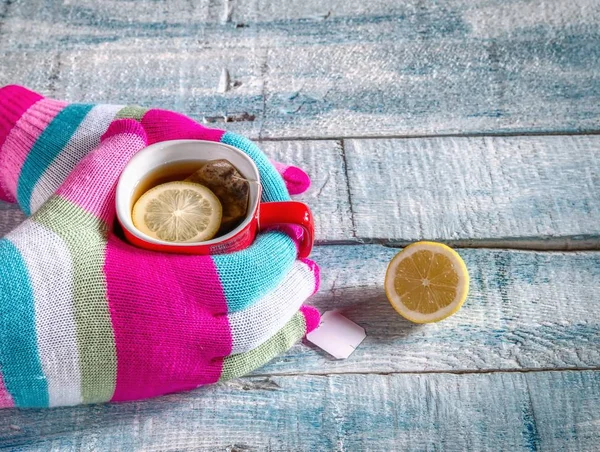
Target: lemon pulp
column 178, row 212
column 427, row 282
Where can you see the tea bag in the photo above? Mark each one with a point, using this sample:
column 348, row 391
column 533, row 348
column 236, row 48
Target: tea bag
column 225, row 181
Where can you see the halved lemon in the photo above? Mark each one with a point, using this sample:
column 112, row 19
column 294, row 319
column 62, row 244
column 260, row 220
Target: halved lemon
column 427, row 282
column 178, row 212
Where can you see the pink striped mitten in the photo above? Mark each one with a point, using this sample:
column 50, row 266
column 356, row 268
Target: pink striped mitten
column 87, row 318
column 41, row 141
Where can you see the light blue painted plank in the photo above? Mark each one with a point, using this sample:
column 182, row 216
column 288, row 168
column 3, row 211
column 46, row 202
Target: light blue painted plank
column 539, row 192
column 328, row 193
column 503, row 411
column 525, row 310
column 522, row 192
column 345, row 69
column 527, row 192
column 565, row 408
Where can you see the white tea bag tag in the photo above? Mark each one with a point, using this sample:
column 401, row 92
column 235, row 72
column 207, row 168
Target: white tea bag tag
column 337, row 335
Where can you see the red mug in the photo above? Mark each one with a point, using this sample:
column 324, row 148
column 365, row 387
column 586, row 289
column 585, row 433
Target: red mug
column 261, row 215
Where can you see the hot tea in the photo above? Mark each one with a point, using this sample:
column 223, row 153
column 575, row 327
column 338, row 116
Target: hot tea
column 190, row 201
column 169, row 172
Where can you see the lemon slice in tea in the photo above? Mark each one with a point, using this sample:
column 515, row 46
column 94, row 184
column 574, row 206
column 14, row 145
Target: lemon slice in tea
column 427, row 282
column 178, row 212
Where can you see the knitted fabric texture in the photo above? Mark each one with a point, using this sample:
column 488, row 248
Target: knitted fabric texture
column 88, row 318
column 47, row 138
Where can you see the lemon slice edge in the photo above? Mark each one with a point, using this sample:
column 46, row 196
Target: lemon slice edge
column 462, row 286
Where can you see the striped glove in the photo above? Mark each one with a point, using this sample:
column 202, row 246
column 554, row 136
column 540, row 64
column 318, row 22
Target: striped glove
column 87, row 318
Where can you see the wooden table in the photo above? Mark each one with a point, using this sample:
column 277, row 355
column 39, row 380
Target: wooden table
column 472, row 122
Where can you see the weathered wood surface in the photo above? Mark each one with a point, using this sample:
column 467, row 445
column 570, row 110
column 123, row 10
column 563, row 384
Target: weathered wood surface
column 518, row 367
column 483, row 412
column 328, row 193
column 538, row 192
column 525, row 310
column 310, row 69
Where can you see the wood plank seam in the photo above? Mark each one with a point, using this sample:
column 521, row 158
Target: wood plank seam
column 4, row 14
column 500, row 134
column 563, row 243
column 54, row 74
column 424, row 372
column 264, row 67
column 347, row 179
column 531, row 432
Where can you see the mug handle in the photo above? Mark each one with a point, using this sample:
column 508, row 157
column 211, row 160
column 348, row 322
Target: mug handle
column 292, row 213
